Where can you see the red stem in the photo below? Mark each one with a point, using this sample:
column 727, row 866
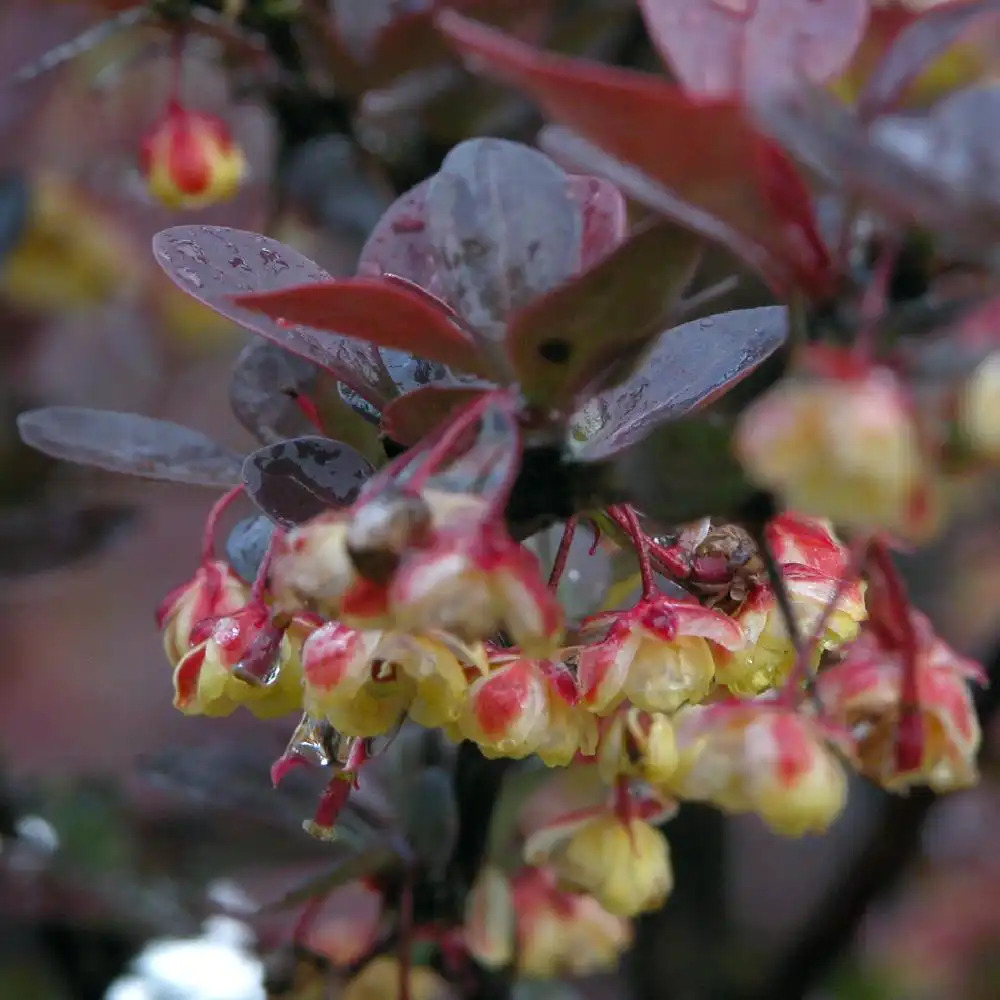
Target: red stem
column 212, row 522
column 873, row 304
column 626, row 518
column 260, row 582
column 562, row 553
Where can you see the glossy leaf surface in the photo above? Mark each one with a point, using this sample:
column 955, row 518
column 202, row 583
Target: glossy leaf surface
column 704, row 151
column 723, row 48
column 129, row 443
column 687, row 367
column 587, row 333
column 504, row 229
column 296, row 480
column 386, row 313
column 247, row 544
column 213, row 263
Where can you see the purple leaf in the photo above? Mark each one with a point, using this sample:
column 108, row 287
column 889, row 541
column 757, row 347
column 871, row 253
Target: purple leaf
column 263, row 377
column 213, row 264
column 588, row 333
column 388, row 313
column 413, row 416
column 916, row 47
column 687, row 368
column 939, row 170
column 505, row 230
column 129, row 443
column 296, row 480
column 724, row 48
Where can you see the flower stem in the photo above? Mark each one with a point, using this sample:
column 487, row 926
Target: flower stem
column 260, row 582
column 212, row 522
column 626, row 518
column 562, row 553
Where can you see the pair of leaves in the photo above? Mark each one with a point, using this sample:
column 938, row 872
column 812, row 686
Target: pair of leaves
column 702, row 152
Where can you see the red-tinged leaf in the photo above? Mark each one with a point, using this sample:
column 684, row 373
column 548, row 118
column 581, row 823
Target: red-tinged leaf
column 412, row 417
column 703, row 151
column 296, row 480
column 722, row 48
column 925, row 39
column 605, row 216
column 939, row 170
column 384, row 313
column 213, row 263
column 129, row 443
column 504, row 229
column 261, row 391
column 590, row 332
column 688, row 367
column 399, row 243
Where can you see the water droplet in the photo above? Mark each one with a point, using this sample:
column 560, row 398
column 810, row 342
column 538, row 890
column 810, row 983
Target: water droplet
column 741, row 8
column 409, row 224
column 706, row 322
column 191, row 277
column 239, row 262
column 191, row 249
column 272, row 259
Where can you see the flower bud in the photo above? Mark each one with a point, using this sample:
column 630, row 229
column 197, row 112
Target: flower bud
column 846, row 449
column 190, row 159
column 760, row 758
column 507, row 712
column 214, row 591
column 490, row 919
column 624, row 865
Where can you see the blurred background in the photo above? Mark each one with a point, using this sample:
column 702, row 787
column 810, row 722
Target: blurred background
column 124, row 826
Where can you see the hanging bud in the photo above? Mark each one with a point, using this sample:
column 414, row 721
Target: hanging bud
column 761, row 758
column 625, row 865
column 190, row 159
column 490, row 918
column 933, row 741
column 213, row 592
column 637, row 744
column 846, row 449
column 381, row 979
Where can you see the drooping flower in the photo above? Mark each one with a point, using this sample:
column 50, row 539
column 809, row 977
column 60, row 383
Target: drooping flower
column 364, row 681
column 381, row 979
column 624, row 864
column 863, row 694
column 843, row 448
column 546, row 932
column 245, row 658
column 660, row 655
column 214, row 591
column 759, row 757
column 190, row 159
column 979, row 409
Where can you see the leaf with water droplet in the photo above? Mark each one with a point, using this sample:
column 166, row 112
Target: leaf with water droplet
column 588, row 333
column 261, row 388
column 129, row 443
column 294, row 481
column 505, row 230
column 214, row 263
column 688, row 367
column 725, row 48
column 399, row 243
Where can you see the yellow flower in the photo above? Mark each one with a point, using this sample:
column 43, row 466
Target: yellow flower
column 979, row 409
column 637, row 744
column 761, row 758
column 624, row 865
column 846, row 449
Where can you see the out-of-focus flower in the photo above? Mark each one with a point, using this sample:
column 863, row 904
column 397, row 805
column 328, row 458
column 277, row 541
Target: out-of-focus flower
column 660, row 655
column 863, row 694
column 846, row 449
column 364, row 681
column 381, row 979
column 243, row 659
column 190, row 159
column 549, row 932
column 346, row 927
column 637, row 744
column 213, row 592
column 761, row 758
column 979, row 409
column 625, row 865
